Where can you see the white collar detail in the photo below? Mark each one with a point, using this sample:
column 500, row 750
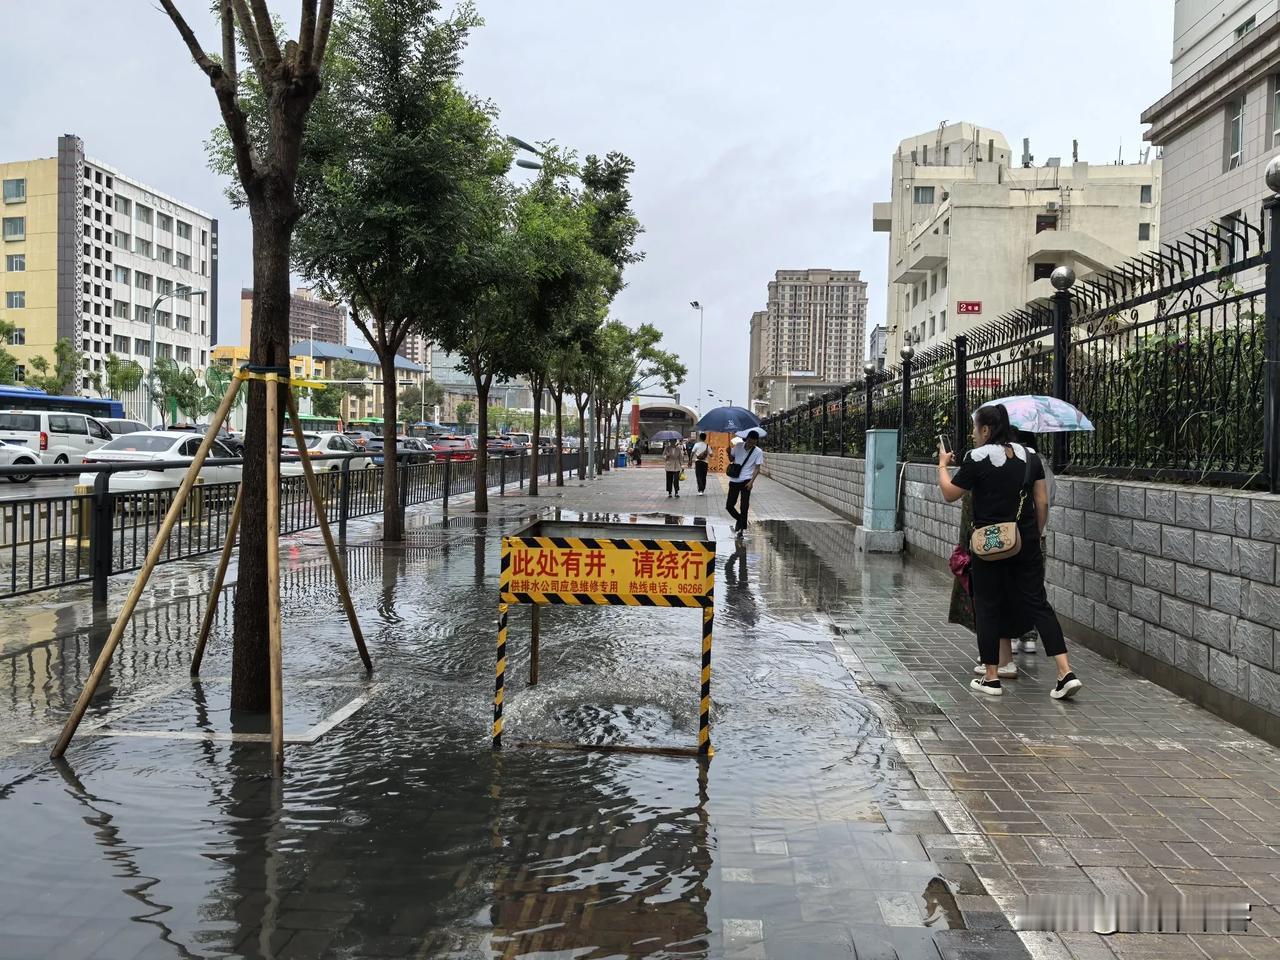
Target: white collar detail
column 995, row 453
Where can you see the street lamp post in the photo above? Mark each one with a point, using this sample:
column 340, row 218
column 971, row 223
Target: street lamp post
column 698, row 306
column 311, row 370
column 155, row 310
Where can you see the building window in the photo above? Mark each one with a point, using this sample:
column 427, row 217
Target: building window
column 942, row 322
column 122, row 205
column 1234, row 140
column 184, row 261
column 933, row 283
column 933, row 326
column 19, row 373
column 1046, row 221
column 184, row 323
column 15, row 262
column 922, row 195
column 1246, row 27
column 142, row 247
column 122, row 275
column 141, row 314
column 183, row 354
column 122, row 240
column 122, row 310
column 15, row 228
column 142, row 214
column 945, row 271
column 164, row 318
column 141, row 280
column 164, row 351
column 15, row 299
column 15, row 191
column 1042, row 271
column 164, row 222
column 164, row 254
column 120, row 344
column 184, row 230
column 142, row 347
column 1144, row 193
column 164, row 286
column 1275, row 109
column 1144, row 231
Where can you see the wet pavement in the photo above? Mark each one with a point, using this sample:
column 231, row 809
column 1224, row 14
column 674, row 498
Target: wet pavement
column 861, row 802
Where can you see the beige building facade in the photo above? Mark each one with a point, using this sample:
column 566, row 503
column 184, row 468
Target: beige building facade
column 1219, row 124
column 813, row 328
column 305, row 309
column 973, row 236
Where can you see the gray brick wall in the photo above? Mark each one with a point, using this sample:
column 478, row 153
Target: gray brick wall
column 1187, row 576
column 834, row 482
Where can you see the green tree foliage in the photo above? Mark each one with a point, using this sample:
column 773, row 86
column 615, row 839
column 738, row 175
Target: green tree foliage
column 462, row 414
column 8, row 362
column 123, row 376
column 59, row 377
column 179, row 388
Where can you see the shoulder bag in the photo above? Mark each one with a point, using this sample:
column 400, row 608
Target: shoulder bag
column 734, row 469
column 999, row 541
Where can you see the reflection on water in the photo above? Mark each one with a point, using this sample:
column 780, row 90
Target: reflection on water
column 400, row 833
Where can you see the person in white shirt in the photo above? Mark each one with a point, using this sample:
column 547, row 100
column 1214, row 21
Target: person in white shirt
column 748, row 459
column 701, row 460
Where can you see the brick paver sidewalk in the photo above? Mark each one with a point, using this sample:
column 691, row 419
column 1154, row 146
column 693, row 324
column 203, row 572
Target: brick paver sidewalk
column 1125, row 791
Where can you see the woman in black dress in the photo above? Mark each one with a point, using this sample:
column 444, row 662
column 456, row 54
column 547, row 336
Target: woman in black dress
column 1004, row 478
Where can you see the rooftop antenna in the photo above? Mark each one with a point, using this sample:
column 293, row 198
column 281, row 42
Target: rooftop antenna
column 1027, row 158
column 1075, row 151
column 1120, row 155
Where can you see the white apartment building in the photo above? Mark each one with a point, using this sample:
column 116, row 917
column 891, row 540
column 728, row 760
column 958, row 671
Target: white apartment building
column 90, row 255
column 972, row 236
column 1219, row 123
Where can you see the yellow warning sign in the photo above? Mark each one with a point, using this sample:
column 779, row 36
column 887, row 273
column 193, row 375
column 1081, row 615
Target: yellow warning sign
column 586, row 570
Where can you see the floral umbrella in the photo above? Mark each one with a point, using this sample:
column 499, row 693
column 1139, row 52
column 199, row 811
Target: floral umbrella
column 1043, row 414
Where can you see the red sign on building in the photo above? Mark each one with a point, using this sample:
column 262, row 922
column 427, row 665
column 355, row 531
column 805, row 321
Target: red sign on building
column 968, row 306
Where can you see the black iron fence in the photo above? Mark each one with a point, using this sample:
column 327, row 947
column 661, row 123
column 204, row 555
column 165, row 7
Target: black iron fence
column 95, row 532
column 1174, row 356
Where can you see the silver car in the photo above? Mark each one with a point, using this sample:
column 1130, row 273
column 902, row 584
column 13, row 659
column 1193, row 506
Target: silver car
column 15, row 454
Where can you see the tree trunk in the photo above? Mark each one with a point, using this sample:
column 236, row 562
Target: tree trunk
column 482, row 446
column 392, row 528
column 558, row 397
column 268, row 347
column 536, row 383
column 582, row 440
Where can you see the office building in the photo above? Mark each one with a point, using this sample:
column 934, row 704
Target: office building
column 878, row 345
column 305, row 310
column 973, row 236
column 1219, row 124
column 756, row 385
column 94, row 256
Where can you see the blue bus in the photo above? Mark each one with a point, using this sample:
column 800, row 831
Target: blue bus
column 29, row 398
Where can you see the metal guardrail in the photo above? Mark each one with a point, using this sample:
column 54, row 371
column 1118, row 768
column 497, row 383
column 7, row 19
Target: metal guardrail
column 95, row 532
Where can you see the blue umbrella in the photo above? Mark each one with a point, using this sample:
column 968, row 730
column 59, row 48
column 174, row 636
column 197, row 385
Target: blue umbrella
column 728, row 420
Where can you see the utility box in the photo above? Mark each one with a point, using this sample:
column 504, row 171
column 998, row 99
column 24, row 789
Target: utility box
column 879, row 533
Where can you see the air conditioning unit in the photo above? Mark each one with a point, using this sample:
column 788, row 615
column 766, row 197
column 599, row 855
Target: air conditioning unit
column 1053, row 205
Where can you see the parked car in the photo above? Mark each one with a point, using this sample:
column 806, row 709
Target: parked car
column 454, row 447
column 55, row 437
column 502, row 445
column 324, row 443
column 361, row 438
column 149, row 446
column 409, row 445
column 119, row 428
column 15, row 454
column 232, row 441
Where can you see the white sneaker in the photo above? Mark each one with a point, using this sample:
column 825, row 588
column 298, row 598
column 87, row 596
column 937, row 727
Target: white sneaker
column 1009, row 671
column 991, row 688
column 1028, row 646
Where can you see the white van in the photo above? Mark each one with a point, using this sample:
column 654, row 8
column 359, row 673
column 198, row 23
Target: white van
column 59, row 437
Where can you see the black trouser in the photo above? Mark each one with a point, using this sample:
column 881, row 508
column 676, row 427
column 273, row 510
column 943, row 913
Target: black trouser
column 673, row 482
column 700, row 471
column 738, row 489
column 1001, row 587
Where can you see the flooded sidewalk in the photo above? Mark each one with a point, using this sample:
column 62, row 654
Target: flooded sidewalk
column 861, row 803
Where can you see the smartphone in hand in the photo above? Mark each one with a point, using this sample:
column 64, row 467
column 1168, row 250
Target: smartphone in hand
column 945, row 442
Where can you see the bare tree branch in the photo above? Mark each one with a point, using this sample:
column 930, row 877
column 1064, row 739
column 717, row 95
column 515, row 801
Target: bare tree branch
column 245, row 20
column 202, row 59
column 306, row 34
column 266, row 33
column 229, row 53
column 322, row 33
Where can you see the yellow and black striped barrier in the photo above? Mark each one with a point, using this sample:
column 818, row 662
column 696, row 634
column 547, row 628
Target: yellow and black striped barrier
column 558, row 563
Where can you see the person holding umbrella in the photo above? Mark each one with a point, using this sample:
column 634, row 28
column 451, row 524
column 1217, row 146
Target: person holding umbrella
column 745, row 462
column 673, row 462
column 1007, row 567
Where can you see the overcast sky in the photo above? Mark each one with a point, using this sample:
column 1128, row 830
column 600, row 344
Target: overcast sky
column 761, row 131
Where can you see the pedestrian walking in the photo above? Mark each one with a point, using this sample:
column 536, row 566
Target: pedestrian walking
column 688, row 451
column 745, row 462
column 701, row 462
column 673, row 462
column 1007, row 565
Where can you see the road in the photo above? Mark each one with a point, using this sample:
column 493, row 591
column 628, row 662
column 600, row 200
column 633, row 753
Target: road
column 37, row 487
